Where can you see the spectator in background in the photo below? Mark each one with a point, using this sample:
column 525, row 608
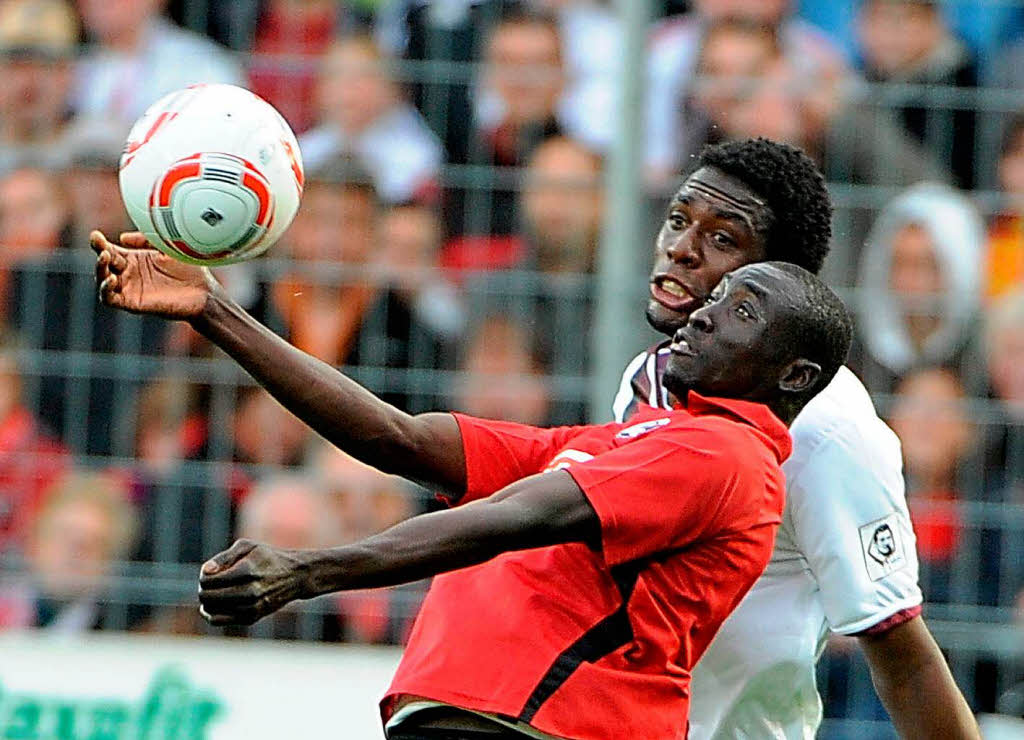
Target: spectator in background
column 49, row 295
column 184, row 516
column 1004, row 266
column 750, row 87
column 448, row 32
column 563, row 206
column 521, row 87
column 502, row 378
column 137, row 56
column 289, row 37
column 323, row 310
column 365, row 502
column 920, row 283
column 1004, row 342
column 293, row 511
column 362, row 114
column 289, row 511
column 929, row 418
column 910, row 42
column 30, row 459
column 38, row 43
column 592, row 49
column 365, row 288
column 90, row 174
column 673, row 66
column 34, row 215
column 562, row 209
column 410, row 238
column 1004, row 350
column 517, row 104
column 265, row 433
column 85, row 526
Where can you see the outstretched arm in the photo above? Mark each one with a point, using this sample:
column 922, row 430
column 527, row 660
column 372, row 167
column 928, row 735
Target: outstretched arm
column 426, row 448
column 250, row 581
column 915, row 685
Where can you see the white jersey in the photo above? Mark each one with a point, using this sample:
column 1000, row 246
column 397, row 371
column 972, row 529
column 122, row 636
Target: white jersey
column 844, row 561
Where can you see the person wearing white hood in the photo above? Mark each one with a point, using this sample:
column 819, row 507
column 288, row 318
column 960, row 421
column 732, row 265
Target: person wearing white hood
column 919, row 282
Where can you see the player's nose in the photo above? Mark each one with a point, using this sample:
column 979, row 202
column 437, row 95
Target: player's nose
column 701, row 320
column 684, row 249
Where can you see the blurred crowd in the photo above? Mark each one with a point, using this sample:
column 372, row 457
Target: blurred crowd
column 445, row 250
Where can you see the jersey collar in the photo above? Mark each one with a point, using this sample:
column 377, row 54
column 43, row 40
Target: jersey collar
column 755, row 414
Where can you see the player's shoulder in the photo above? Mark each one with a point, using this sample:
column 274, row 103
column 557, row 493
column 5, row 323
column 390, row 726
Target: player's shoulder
column 732, row 439
column 840, row 426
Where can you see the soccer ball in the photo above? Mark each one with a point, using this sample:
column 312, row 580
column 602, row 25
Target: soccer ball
column 211, row 174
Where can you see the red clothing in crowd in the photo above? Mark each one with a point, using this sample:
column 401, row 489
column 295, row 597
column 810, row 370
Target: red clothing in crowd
column 286, row 51
column 599, row 644
column 29, row 463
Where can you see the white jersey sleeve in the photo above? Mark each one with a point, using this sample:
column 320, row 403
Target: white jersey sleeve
column 848, row 511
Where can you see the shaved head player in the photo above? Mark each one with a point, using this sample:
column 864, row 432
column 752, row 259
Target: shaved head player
column 844, row 557
column 585, row 569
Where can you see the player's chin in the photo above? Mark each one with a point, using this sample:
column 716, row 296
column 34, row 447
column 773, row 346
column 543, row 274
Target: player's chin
column 663, row 319
column 682, row 372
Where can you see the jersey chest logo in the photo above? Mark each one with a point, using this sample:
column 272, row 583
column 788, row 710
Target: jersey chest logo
column 882, row 543
column 637, row 430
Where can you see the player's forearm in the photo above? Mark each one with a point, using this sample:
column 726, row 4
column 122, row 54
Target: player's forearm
column 535, row 512
column 928, row 705
column 914, row 683
column 425, row 448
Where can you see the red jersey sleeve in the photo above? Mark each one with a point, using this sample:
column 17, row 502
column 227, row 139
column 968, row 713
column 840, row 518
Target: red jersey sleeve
column 670, row 489
column 498, row 453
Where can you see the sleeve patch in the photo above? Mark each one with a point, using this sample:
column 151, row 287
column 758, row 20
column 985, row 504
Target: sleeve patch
column 882, row 544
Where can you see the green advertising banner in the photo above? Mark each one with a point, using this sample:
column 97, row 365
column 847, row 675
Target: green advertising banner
column 136, row 687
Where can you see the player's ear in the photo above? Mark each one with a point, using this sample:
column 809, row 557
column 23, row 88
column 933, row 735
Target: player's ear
column 799, row 376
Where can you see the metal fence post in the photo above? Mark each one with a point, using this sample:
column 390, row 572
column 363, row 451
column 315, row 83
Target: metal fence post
column 618, row 327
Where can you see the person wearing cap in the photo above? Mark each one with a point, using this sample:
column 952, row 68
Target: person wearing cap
column 38, row 44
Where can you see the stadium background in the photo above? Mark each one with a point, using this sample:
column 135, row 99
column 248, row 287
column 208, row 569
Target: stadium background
column 484, row 180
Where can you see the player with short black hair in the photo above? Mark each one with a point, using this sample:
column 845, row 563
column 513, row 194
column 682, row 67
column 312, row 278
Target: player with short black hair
column 756, row 200
column 793, row 189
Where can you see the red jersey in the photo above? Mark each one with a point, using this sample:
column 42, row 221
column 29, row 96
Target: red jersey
column 589, row 644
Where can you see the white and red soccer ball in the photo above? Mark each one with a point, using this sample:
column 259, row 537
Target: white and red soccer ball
column 211, row 174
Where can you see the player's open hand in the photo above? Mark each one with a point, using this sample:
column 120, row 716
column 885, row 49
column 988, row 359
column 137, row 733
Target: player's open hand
column 134, row 276
column 248, row 581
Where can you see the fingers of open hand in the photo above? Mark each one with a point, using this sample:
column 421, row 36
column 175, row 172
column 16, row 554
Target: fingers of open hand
column 110, row 265
column 98, row 242
column 134, row 240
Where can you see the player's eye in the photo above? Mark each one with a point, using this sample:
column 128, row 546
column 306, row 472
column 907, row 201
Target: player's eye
column 744, row 311
column 723, row 239
column 677, row 220
column 711, row 299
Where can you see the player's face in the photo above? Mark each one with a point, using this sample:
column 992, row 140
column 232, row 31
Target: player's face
column 715, row 224
column 883, row 538
column 731, row 346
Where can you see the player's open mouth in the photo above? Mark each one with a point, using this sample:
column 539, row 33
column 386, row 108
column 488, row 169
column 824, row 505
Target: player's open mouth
column 671, row 293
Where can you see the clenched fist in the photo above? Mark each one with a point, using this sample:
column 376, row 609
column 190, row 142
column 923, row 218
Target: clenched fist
column 248, row 581
column 134, row 276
